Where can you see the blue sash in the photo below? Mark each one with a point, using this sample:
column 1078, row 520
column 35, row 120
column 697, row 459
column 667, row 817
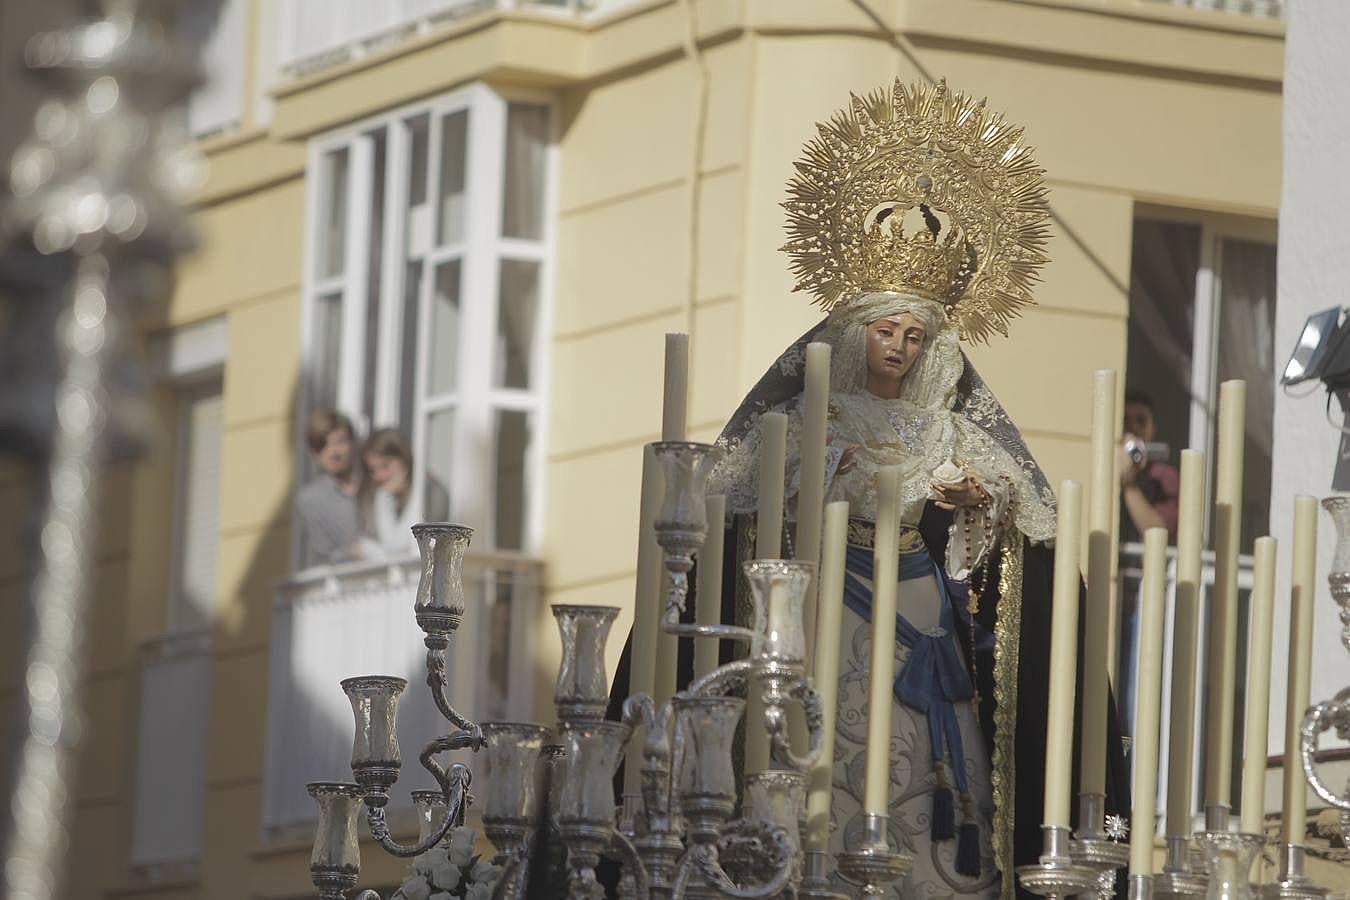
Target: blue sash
column 934, row 676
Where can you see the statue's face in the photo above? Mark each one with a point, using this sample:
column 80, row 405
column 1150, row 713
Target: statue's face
column 894, row 344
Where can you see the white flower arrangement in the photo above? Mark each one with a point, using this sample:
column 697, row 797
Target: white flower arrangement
column 450, row 871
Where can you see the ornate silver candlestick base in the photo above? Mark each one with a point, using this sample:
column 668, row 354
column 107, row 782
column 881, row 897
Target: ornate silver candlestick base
column 1230, row 855
column 1292, row 883
column 1057, row 875
column 815, row 880
column 1179, row 880
column 873, row 864
column 1094, row 849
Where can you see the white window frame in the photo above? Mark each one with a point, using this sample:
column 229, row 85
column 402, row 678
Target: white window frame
column 480, row 253
column 200, row 388
column 1214, row 230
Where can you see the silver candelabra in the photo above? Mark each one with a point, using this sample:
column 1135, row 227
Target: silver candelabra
column 679, row 836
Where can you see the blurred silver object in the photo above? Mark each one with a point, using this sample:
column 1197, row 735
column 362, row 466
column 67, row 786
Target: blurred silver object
column 1333, row 714
column 95, row 220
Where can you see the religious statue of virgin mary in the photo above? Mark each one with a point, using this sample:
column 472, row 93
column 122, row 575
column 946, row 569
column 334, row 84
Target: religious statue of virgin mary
column 917, row 219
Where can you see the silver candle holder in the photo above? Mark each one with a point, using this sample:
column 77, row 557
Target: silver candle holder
column 874, row 864
column 1229, row 856
column 680, row 837
column 1094, row 849
column 1056, row 874
column 1291, row 881
column 1334, row 714
column 1179, row 880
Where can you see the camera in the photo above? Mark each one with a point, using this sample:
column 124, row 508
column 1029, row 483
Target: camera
column 1141, row 452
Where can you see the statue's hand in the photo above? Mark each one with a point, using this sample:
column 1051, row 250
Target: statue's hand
column 846, row 461
column 965, row 493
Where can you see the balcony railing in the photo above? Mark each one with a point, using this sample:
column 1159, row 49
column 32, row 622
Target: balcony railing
column 320, row 33
column 336, row 622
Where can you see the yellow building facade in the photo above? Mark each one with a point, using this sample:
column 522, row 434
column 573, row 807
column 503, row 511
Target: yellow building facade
column 668, row 131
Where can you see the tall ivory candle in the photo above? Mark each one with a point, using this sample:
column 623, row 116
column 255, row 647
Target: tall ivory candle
column 708, row 591
column 1147, row 702
column 1256, row 723
column 1181, row 728
column 768, row 545
column 675, row 405
column 674, row 411
column 885, row 573
column 826, row 672
column 1097, row 639
column 647, row 606
column 1063, row 656
column 1222, row 658
column 811, row 493
column 1302, row 591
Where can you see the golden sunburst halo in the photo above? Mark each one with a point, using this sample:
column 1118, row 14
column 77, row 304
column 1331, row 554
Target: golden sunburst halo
column 922, row 190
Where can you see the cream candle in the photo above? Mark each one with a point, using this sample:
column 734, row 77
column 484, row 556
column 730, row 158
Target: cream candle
column 1256, row 722
column 1303, row 590
column 1147, row 702
column 1063, row 656
column 811, row 493
column 885, row 572
column 1181, row 728
column 708, row 590
column 1222, row 657
column 1098, row 630
column 768, row 545
column 674, row 412
column 826, row 671
column 647, row 606
column 675, row 403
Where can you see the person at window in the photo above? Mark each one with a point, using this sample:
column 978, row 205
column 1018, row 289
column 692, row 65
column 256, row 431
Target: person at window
column 1148, row 487
column 385, row 497
column 326, row 505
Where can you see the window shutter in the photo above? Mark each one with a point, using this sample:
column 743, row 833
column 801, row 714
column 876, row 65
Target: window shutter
column 171, row 758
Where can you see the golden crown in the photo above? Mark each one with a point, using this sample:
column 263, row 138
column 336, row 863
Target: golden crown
column 920, row 190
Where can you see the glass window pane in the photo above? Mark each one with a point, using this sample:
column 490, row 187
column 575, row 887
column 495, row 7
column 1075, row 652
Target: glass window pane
column 517, row 308
column 437, row 447
column 418, row 235
column 1247, row 350
column 325, row 351
column 454, row 132
column 407, row 370
column 513, row 445
column 1166, row 258
column 443, row 350
column 523, row 181
column 333, row 216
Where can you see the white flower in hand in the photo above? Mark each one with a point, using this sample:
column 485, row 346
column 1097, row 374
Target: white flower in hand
column 478, row 892
column 461, row 846
column 446, row 876
column 485, row 872
column 416, row 888
column 436, row 856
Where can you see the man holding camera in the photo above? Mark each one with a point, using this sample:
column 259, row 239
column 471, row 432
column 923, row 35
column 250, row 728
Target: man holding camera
column 1148, row 483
